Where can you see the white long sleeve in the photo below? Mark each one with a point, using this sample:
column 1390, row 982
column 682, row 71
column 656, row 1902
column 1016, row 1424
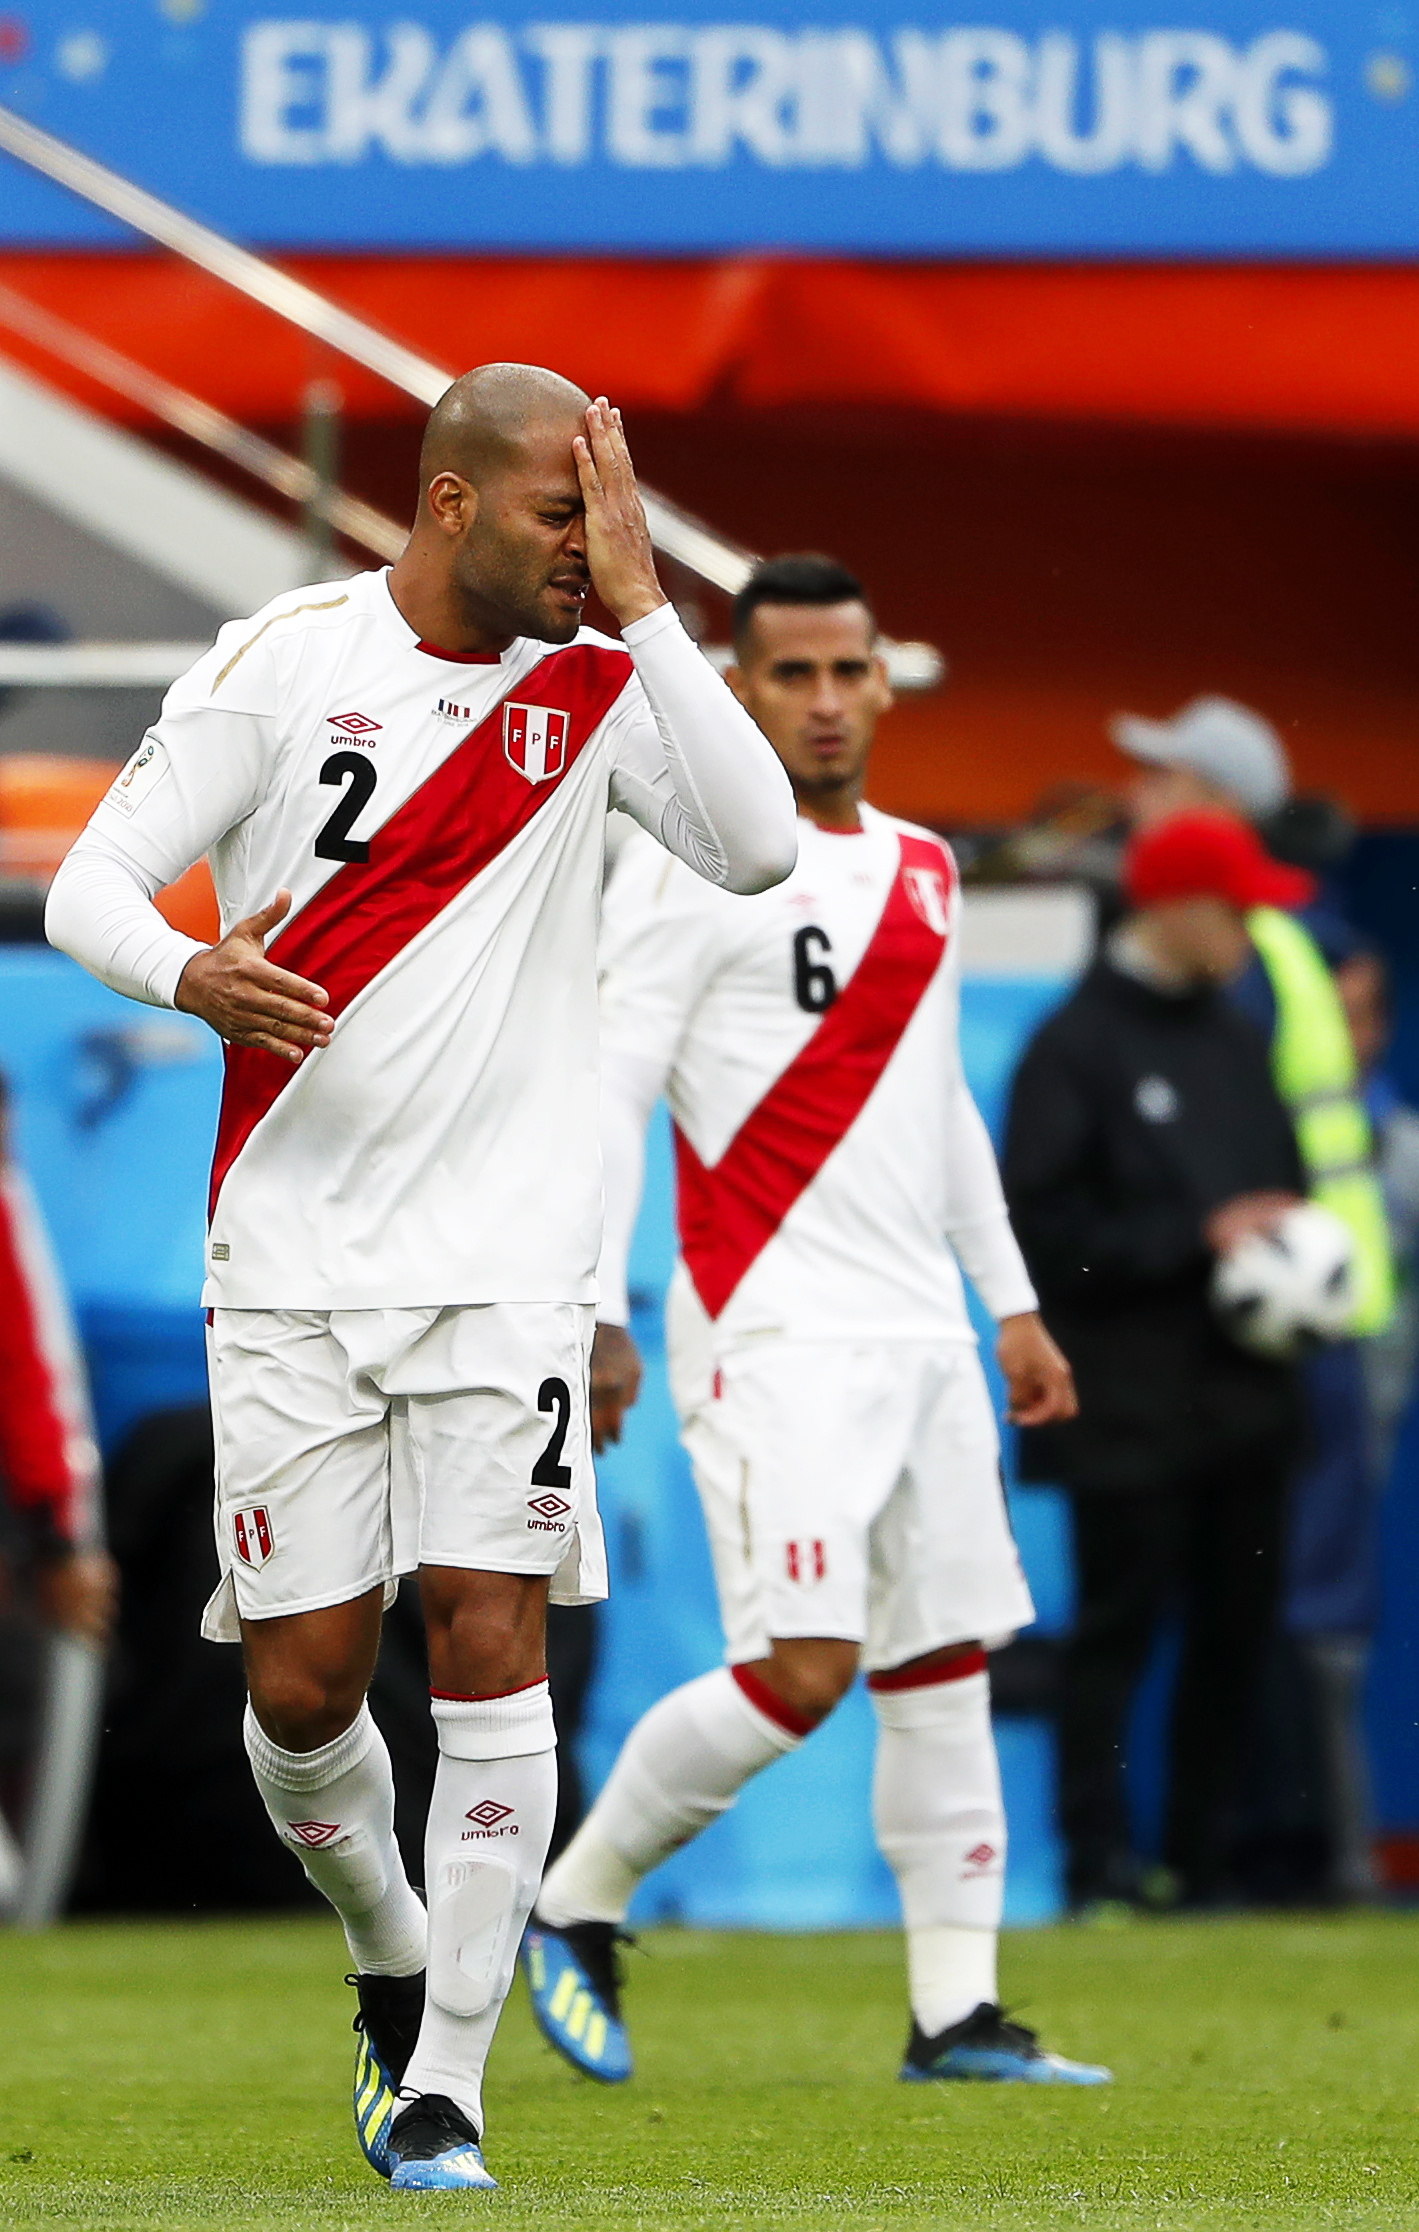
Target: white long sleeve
column 100, row 911
column 630, row 1087
column 978, row 1223
column 661, row 940
column 705, row 782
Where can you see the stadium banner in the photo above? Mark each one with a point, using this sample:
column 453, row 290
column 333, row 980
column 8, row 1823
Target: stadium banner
column 1087, row 127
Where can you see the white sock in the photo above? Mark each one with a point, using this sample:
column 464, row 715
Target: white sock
column 335, row 1809
column 490, row 1822
column 683, row 1764
column 941, row 1826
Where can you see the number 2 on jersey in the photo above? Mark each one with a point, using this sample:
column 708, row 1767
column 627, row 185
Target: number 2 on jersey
column 549, row 1471
column 814, row 986
column 335, row 841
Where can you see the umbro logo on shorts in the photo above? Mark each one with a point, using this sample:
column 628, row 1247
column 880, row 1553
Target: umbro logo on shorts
column 535, row 740
column 551, row 1513
column 490, row 1819
column 315, row 1833
column 251, row 1533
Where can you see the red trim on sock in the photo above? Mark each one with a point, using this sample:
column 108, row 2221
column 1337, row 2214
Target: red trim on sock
column 485, row 1697
column 925, row 1677
column 770, row 1704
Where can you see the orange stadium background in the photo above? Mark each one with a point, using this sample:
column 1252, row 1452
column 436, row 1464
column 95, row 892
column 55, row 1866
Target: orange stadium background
column 1093, row 487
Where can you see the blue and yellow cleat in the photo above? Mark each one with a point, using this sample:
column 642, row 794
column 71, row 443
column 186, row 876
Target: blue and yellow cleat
column 433, row 2148
column 574, row 1976
column 987, row 2049
column 387, row 2028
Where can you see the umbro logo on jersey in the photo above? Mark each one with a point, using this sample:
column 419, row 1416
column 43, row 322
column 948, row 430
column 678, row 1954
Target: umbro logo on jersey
column 535, row 740
column 251, row 1533
column 490, row 1819
column 314, row 1833
column 354, row 724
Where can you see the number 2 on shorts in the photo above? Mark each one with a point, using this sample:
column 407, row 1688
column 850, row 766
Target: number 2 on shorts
column 549, row 1471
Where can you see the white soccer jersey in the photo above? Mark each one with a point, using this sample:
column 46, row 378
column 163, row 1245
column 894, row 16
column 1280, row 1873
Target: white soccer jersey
column 832, row 1164
column 440, row 822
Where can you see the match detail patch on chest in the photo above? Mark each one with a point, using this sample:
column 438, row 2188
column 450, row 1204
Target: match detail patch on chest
column 535, row 740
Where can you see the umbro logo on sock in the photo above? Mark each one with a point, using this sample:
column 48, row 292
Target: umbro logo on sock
column 490, row 1820
column 979, row 1859
column 314, row 1833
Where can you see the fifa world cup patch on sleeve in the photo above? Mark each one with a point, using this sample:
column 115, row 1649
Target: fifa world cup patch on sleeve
column 142, row 775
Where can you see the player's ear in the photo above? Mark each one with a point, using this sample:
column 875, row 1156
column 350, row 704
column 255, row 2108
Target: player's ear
column 452, row 503
column 733, row 675
column 886, row 695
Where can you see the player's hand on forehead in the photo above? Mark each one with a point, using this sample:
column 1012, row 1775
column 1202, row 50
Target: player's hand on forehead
column 618, row 545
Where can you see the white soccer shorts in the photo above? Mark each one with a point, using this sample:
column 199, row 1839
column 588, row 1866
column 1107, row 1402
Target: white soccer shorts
column 852, row 1489
column 355, row 1445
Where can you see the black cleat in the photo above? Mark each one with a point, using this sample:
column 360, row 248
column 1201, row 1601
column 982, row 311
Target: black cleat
column 432, row 2146
column 574, row 1978
column 987, row 2048
column 387, row 2027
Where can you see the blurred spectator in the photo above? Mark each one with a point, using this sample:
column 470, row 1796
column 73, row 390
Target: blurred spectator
column 1220, row 754
column 48, row 1462
column 1214, row 753
column 1146, row 1137
column 1392, row 1356
column 1217, row 754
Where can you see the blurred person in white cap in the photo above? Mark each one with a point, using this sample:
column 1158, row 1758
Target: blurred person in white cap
column 1217, row 754
column 1213, row 753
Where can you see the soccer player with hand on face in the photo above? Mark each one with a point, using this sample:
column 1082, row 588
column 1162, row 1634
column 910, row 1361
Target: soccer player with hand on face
column 403, row 781
column 834, row 1178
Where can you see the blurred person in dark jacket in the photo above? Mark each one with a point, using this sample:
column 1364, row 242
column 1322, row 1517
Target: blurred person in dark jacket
column 1306, row 1832
column 1146, row 1138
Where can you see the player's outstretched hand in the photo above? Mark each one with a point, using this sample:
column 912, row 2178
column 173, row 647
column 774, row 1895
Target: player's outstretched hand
column 1036, row 1372
column 615, row 1383
column 618, row 545
column 247, row 999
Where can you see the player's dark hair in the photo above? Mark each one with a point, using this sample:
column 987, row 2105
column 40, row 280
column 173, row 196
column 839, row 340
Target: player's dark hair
column 801, row 577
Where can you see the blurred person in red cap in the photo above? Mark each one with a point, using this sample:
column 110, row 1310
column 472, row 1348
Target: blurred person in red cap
column 1219, row 755
column 1147, row 1137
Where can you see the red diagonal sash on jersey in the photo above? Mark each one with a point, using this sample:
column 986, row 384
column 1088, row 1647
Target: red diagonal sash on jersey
column 456, row 823
column 730, row 1210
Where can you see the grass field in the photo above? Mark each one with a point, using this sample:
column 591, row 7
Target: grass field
column 195, row 2076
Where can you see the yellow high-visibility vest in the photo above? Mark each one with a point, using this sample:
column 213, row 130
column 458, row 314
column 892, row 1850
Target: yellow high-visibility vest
column 1313, row 1063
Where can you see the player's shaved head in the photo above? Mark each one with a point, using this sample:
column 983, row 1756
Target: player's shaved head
column 489, row 419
